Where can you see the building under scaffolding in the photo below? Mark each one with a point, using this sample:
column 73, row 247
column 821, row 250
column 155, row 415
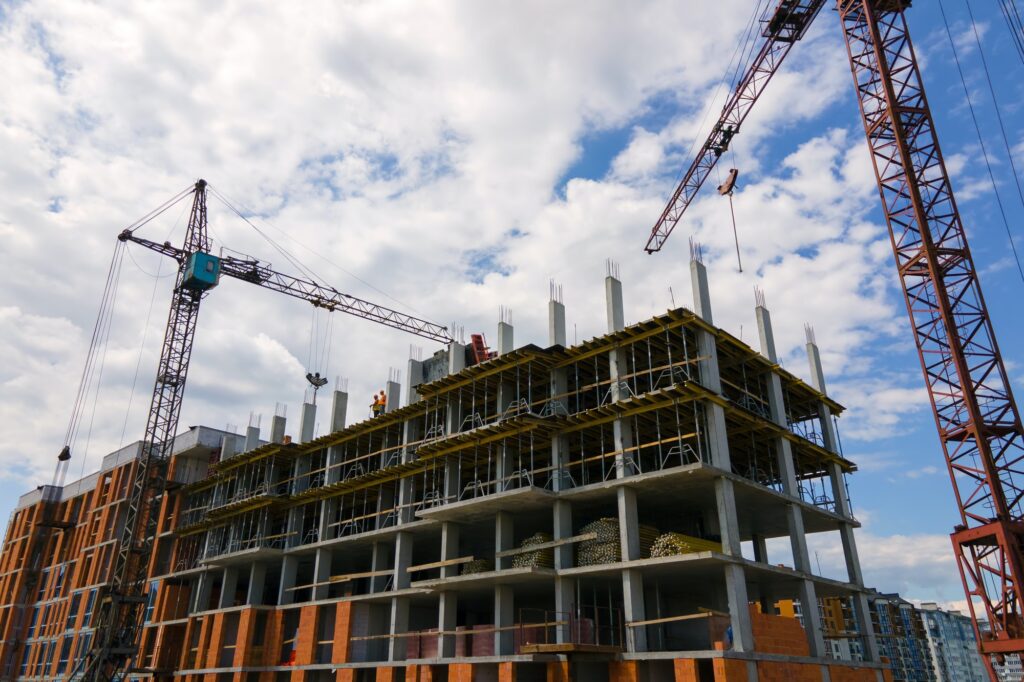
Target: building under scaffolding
column 600, row 511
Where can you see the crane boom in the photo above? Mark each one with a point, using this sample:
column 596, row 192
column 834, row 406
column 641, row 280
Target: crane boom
column 119, row 614
column 978, row 422
column 787, row 25
column 320, row 295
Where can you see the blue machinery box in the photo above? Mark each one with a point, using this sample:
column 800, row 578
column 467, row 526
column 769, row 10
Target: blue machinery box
column 202, row 271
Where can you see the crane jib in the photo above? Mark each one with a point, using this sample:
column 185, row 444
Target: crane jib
column 787, row 24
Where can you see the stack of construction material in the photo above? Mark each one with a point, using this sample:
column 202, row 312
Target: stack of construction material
column 607, row 547
column 542, row 558
column 670, row 544
column 477, row 566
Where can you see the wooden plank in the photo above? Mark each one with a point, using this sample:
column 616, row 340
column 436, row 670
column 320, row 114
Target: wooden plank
column 440, row 564
column 355, row 576
column 669, row 619
column 546, row 545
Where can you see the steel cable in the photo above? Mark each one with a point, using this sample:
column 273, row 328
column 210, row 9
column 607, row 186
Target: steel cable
column 981, row 141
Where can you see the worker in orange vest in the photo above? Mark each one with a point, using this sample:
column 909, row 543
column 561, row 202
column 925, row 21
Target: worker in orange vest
column 383, row 402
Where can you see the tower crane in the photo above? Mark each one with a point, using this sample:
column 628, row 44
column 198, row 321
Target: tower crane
column 119, row 617
column 978, row 422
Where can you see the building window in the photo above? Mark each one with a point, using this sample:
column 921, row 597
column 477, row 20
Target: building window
column 89, row 604
column 32, row 624
column 76, row 600
column 65, row 654
column 150, row 601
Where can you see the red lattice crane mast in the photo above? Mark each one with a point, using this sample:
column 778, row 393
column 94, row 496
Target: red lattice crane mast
column 977, row 419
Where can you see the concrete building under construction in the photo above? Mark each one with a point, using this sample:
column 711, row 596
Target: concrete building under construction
column 599, row 511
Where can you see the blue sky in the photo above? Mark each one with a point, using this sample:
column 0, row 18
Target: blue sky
column 455, row 170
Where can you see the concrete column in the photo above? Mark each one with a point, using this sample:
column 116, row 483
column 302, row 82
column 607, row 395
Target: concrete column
column 613, row 303
column 632, row 580
column 812, row 619
column 400, row 605
column 339, row 408
column 787, row 471
column 739, row 608
column 728, row 526
column 504, row 616
column 277, row 427
column 393, row 393
column 227, row 590
column 718, row 445
column 257, row 581
column 556, row 323
column 505, row 342
column 201, row 596
column 563, row 529
column 252, row 438
column 448, row 600
column 862, row 612
column 415, row 373
column 776, row 404
column 399, row 624
column 307, row 421
column 565, row 588
column 456, row 363
column 379, row 560
column 561, row 476
column 622, row 429
column 701, row 290
column 505, row 468
column 447, row 613
column 228, row 446
column 411, row 434
column 760, row 549
column 449, row 548
column 456, row 357
column 839, row 492
column 321, row 573
column 289, row 570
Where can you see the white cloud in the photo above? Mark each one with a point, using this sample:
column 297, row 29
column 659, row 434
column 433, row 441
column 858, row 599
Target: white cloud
column 919, row 566
column 419, row 148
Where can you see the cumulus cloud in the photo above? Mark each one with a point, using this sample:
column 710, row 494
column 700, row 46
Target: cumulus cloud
column 415, row 155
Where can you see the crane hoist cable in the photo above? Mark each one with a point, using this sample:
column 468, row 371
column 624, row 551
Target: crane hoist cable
column 981, row 139
column 1013, row 21
column 232, row 205
column 995, row 105
column 737, row 58
column 95, row 356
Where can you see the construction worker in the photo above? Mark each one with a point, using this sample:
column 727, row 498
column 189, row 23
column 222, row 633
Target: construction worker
column 376, row 406
column 383, row 402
